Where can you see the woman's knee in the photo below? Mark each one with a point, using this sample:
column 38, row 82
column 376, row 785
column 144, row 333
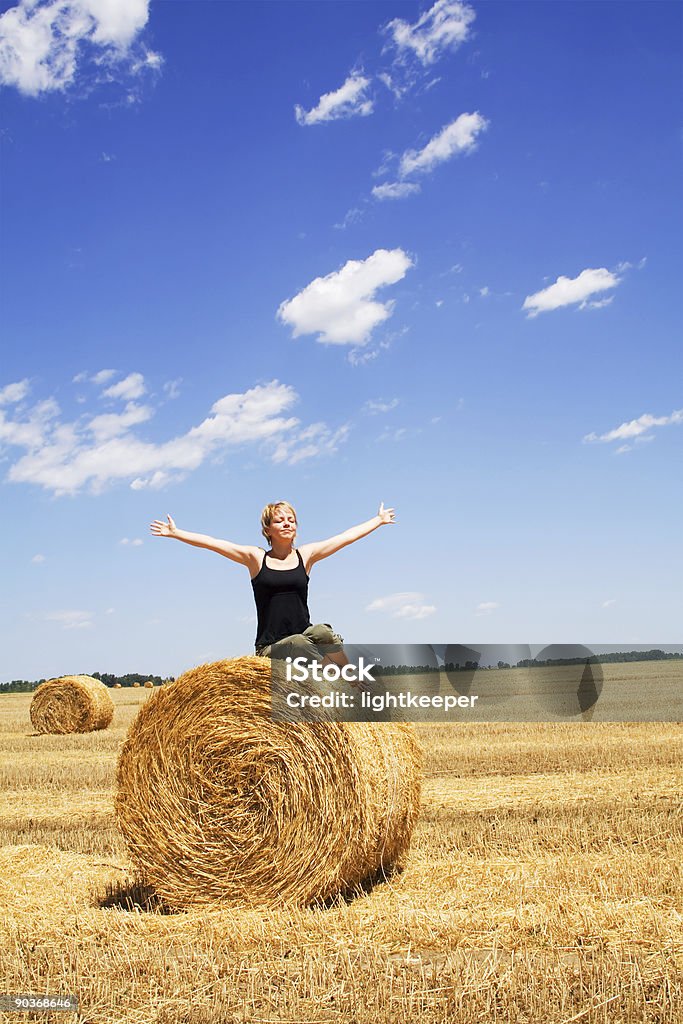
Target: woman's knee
column 312, row 644
column 322, row 635
column 296, row 646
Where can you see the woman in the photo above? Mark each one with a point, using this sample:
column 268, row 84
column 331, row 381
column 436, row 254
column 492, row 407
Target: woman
column 279, row 577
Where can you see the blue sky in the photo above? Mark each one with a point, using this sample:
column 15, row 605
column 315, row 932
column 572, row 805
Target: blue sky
column 339, row 253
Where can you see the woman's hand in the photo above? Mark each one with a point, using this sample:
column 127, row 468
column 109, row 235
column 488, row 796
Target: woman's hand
column 161, row 529
column 386, row 514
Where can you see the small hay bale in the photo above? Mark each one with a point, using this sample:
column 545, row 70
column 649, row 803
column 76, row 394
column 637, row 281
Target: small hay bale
column 117, row 686
column 149, row 685
column 220, row 803
column 136, row 686
column 71, row 704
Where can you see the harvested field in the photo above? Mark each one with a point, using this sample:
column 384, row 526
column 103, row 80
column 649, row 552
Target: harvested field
column 544, row 885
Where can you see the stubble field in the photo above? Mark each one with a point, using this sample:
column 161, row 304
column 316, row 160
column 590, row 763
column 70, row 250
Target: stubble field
column 544, row 885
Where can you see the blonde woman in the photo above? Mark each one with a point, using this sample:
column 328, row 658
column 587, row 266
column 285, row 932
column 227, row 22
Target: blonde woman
column 279, row 578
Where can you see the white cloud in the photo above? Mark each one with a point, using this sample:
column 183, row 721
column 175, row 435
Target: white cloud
column 309, row 443
column 102, row 376
column 31, row 430
column 131, row 387
column 114, row 424
column 70, row 619
column 150, row 59
column 38, row 559
column 609, row 603
column 388, row 160
column 484, row 291
column 634, row 428
column 340, row 308
column 16, row 392
column 352, row 216
column 377, row 405
column 172, row 388
column 443, row 27
column 43, row 44
column 625, row 265
column 568, row 291
column 460, row 136
column 117, row 21
column 486, row 607
column 158, row 479
column 360, row 357
column 399, row 90
column 135, row 543
column 597, row 303
column 415, row 611
column 349, row 100
column 395, row 190
column 399, row 434
column 404, row 605
column 65, row 458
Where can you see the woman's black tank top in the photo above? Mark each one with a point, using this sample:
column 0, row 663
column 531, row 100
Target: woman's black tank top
column 281, row 597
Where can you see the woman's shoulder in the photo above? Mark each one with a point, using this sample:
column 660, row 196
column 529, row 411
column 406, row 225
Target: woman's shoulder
column 304, row 551
column 257, row 562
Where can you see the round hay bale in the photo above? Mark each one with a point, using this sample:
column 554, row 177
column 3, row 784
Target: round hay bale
column 71, row 704
column 149, row 685
column 220, row 803
column 136, row 686
column 117, row 686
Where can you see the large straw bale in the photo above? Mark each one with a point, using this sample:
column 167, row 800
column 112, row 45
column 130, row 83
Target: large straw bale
column 149, row 685
column 71, row 704
column 220, row 803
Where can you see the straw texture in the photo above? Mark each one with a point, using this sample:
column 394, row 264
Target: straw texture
column 149, row 685
column 71, row 704
column 219, row 803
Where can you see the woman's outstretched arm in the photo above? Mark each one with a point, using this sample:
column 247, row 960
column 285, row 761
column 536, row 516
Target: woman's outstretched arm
column 312, row 553
column 245, row 554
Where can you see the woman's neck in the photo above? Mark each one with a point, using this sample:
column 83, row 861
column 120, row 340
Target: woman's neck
column 281, row 552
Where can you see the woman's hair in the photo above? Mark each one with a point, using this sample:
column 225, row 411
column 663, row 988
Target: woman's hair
column 268, row 513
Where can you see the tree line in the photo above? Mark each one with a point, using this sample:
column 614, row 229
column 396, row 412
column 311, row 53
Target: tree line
column 108, row 678
column 470, row 666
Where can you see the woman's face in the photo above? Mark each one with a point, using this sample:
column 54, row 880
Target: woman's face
column 282, row 526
